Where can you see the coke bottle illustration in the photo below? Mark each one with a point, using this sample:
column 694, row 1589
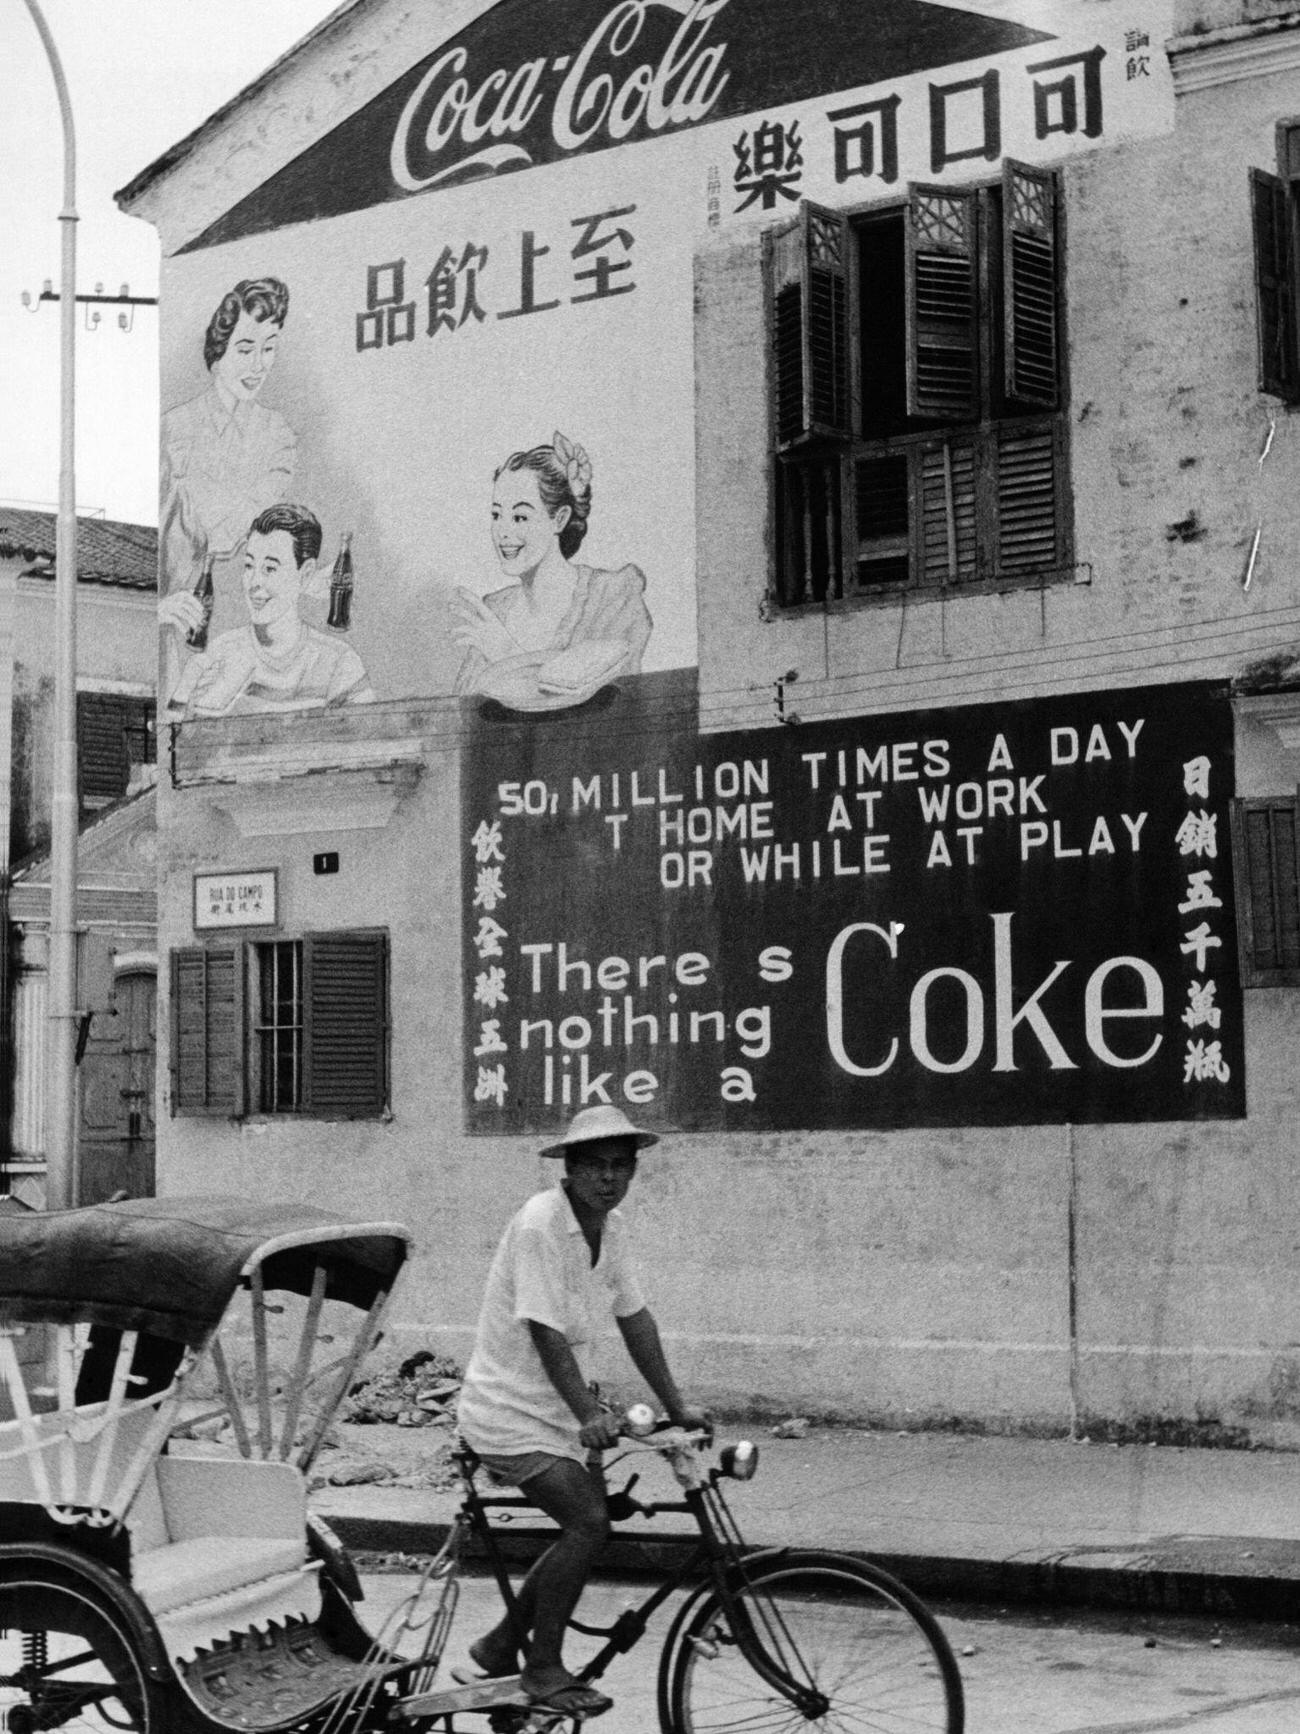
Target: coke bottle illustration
column 340, row 614
column 197, row 636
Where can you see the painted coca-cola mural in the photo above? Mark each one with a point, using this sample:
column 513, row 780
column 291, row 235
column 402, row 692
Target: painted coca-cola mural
column 429, row 391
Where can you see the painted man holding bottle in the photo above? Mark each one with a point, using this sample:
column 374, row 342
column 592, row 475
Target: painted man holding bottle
column 277, row 662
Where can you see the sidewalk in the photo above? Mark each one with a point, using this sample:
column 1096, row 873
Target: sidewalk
column 992, row 1520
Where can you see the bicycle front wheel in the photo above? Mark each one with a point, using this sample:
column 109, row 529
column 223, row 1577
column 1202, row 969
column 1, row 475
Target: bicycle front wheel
column 818, row 1640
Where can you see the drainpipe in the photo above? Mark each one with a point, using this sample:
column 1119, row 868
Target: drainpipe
column 60, row 1100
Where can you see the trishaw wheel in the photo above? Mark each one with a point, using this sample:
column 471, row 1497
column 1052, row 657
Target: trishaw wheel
column 67, row 1660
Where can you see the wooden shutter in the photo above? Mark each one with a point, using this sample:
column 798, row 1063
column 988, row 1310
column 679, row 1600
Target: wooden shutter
column 1275, row 304
column 207, row 1029
column 1030, row 285
column 949, row 552
column 1267, row 872
column 1029, row 491
column 103, row 764
column 942, row 286
column 114, row 731
column 346, row 1038
column 809, row 326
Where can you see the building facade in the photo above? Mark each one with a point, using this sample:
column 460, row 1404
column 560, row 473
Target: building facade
column 117, row 609
column 749, row 572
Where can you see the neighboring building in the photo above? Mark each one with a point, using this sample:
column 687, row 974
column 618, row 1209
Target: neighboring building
column 893, row 794
column 117, row 597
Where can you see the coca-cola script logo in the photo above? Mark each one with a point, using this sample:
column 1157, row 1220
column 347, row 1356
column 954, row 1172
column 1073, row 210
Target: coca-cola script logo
column 453, row 125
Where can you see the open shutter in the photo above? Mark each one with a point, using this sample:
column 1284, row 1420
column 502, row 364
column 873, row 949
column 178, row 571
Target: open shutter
column 1267, row 873
column 103, row 763
column 942, row 283
column 810, row 328
column 1275, row 330
column 1030, row 499
column 1030, row 279
column 346, row 1047
column 949, row 535
column 207, row 1030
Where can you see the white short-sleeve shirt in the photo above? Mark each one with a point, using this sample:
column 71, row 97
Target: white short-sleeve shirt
column 542, row 1272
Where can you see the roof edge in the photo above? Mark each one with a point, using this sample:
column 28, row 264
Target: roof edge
column 176, row 154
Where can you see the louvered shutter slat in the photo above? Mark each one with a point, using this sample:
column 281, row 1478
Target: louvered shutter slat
column 1028, row 500
column 942, row 304
column 1030, row 285
column 1267, row 871
column 347, row 1023
column 207, row 1030
column 102, row 763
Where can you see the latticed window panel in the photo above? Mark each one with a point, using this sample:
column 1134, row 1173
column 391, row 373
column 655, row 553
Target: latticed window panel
column 1030, row 286
column 942, row 304
column 944, row 220
column 810, row 328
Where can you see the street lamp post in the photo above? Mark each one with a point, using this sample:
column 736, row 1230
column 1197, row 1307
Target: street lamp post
column 60, row 1097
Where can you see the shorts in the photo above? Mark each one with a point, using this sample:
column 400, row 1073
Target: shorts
column 517, row 1471
column 520, row 1469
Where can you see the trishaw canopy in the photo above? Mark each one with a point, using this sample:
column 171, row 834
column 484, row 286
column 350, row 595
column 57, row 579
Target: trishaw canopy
column 169, row 1266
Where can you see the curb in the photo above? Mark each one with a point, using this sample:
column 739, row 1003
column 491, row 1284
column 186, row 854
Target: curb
column 1185, row 1575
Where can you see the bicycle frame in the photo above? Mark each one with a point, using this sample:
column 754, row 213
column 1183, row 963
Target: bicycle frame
column 717, row 1561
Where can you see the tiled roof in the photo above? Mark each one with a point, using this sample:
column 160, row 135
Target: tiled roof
column 107, row 552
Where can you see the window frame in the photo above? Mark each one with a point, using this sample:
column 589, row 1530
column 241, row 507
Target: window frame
column 345, row 1007
column 827, row 467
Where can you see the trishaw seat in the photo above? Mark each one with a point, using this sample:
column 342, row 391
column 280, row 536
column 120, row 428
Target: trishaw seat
column 183, row 1572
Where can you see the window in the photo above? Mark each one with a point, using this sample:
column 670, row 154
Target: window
column 1273, row 210
column 918, row 411
column 114, row 734
column 290, row 1026
column 1267, row 872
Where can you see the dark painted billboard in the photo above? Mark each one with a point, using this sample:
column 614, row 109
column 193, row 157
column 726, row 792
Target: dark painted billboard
column 1005, row 914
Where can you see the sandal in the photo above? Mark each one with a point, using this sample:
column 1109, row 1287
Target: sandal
column 570, row 1699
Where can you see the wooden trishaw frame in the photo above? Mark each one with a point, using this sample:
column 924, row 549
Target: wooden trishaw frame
column 133, row 1536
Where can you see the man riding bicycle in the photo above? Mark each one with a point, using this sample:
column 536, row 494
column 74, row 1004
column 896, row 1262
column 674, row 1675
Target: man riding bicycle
column 527, row 1409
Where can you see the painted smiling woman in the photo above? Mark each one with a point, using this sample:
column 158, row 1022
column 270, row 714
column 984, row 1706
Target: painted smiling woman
column 558, row 630
column 226, row 456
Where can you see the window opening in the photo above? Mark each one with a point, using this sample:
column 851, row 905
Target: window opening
column 279, row 1027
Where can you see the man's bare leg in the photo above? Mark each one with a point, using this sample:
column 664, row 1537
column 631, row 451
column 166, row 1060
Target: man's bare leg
column 574, row 1498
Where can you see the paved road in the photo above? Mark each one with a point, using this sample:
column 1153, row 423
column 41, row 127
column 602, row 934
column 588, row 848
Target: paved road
column 1092, row 1674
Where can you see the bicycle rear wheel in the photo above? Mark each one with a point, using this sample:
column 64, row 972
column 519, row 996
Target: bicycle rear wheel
column 817, row 1640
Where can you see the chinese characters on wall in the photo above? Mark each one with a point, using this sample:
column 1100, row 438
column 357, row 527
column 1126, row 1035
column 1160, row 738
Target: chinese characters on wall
column 467, row 282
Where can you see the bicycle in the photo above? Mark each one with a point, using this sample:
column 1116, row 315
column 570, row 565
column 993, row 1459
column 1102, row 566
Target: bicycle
column 765, row 1639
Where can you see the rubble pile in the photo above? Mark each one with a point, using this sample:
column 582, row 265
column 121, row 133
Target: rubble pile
column 420, row 1392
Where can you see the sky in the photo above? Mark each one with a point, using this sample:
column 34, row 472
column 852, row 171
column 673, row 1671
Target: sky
column 141, row 75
